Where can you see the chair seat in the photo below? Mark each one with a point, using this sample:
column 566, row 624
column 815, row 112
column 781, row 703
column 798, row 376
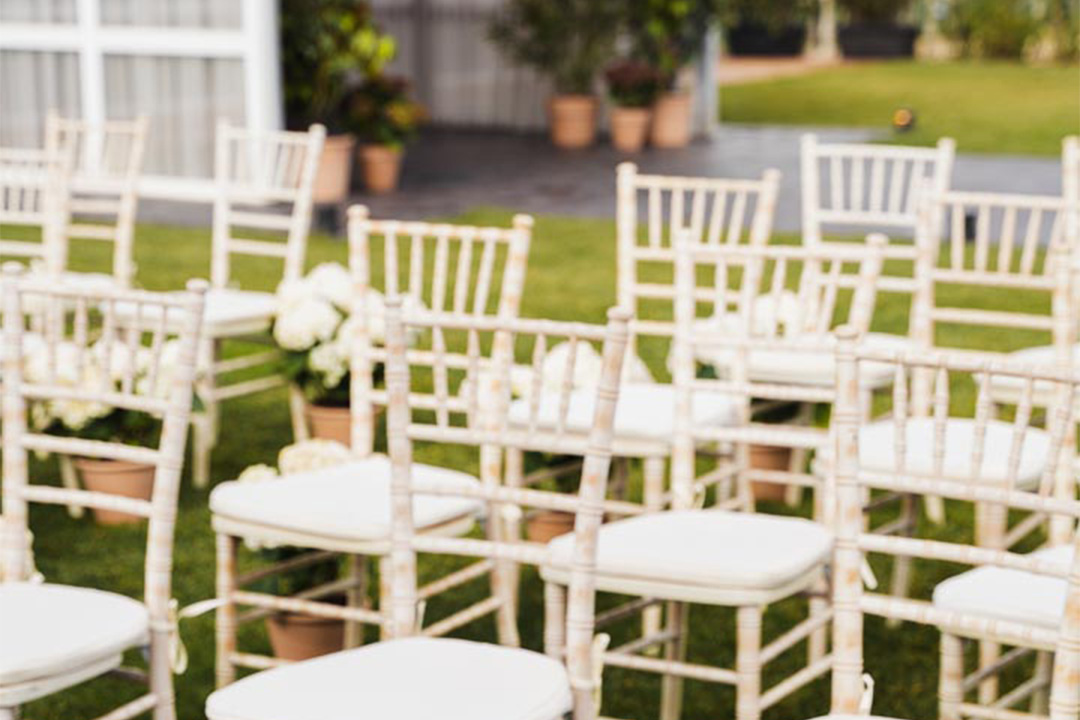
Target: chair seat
column 1009, row 594
column 644, row 412
column 89, row 280
column 877, row 450
column 228, row 312
column 1007, row 389
column 813, row 365
column 53, row 630
column 408, row 679
column 681, row 555
column 345, row 507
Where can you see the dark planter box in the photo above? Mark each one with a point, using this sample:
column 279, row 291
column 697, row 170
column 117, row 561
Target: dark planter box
column 762, row 41
column 877, row 41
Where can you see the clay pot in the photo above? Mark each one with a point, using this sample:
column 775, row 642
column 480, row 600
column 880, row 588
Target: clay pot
column 629, row 128
column 302, row 637
column 544, row 525
column 769, row 457
column 329, row 423
column 382, row 168
column 335, row 170
column 573, row 121
column 116, row 477
column 671, row 120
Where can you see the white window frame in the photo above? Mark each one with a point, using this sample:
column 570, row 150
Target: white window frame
column 254, row 43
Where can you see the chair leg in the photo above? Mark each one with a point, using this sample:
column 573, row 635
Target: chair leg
column 748, row 663
column 951, row 680
column 671, row 686
column 225, row 629
column 1044, row 668
column 991, row 527
column 652, row 617
column 384, row 596
column 70, row 478
column 510, row 582
column 161, row 675
column 901, row 575
column 554, row 620
column 204, row 423
column 298, row 414
column 356, row 596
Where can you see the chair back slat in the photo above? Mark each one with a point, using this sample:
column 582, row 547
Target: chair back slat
column 34, row 188
column 264, row 181
column 52, row 369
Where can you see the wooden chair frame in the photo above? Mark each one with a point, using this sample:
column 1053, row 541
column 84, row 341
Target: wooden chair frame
column 107, row 160
column 34, row 193
column 861, row 186
column 851, row 602
column 167, row 457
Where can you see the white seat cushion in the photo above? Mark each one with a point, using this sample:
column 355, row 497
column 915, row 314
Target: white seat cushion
column 1008, row 594
column 226, row 310
column 347, row 502
column 877, row 449
column 811, row 365
column 408, row 679
column 1007, row 389
column 643, row 412
column 701, row 555
column 49, row 630
column 89, row 280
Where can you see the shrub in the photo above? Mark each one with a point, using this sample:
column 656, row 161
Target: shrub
column 992, row 28
column 874, row 12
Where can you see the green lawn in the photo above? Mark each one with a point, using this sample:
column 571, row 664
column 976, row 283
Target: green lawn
column 986, row 107
column 571, row 276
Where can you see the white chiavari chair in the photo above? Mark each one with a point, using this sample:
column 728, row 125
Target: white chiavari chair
column 56, row 636
column 456, row 271
column 34, row 203
column 855, row 188
column 1030, row 601
column 262, row 209
column 106, row 161
column 453, row 398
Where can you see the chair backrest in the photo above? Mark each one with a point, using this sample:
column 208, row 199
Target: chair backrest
column 263, row 197
column 759, row 317
column 1020, row 246
column 474, row 414
column 460, row 270
column 854, row 474
column 854, row 188
column 716, row 211
column 107, row 160
column 70, row 364
column 34, row 197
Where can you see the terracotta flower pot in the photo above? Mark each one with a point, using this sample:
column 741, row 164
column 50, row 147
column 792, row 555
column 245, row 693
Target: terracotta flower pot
column 629, row 128
column 302, row 637
column 573, row 121
column 769, row 457
column 329, row 423
column 116, row 477
column 544, row 525
column 335, row 170
column 671, row 120
column 382, row 168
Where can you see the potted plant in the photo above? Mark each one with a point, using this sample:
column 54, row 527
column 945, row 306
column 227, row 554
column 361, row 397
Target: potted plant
column 327, row 45
column 569, row 41
column 97, row 367
column 384, row 118
column 771, row 28
column 632, row 87
column 873, row 30
column 669, row 35
column 295, row 636
column 541, row 525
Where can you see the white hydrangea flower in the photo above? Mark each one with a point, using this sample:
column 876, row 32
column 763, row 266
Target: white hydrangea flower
column 312, row 455
column 304, row 323
column 588, row 367
column 331, row 361
column 258, row 472
column 331, row 281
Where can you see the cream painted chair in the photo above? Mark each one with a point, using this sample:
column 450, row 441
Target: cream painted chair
column 455, row 271
column 34, row 196
column 1029, row 601
column 56, row 636
column 464, row 404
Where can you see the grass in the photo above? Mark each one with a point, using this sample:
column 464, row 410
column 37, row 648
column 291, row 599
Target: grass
column 988, row 107
column 571, row 276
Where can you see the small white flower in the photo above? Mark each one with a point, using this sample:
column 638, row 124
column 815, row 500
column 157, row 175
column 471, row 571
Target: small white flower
column 305, row 323
column 257, row 473
column 312, row 455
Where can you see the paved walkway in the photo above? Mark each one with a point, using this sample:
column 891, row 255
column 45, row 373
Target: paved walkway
column 449, row 172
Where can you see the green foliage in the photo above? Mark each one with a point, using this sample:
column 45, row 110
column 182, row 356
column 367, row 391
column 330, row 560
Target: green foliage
column 774, row 15
column 992, row 28
column 878, row 12
column 327, row 46
column 668, row 34
column 633, row 83
column 568, row 40
column 380, row 112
